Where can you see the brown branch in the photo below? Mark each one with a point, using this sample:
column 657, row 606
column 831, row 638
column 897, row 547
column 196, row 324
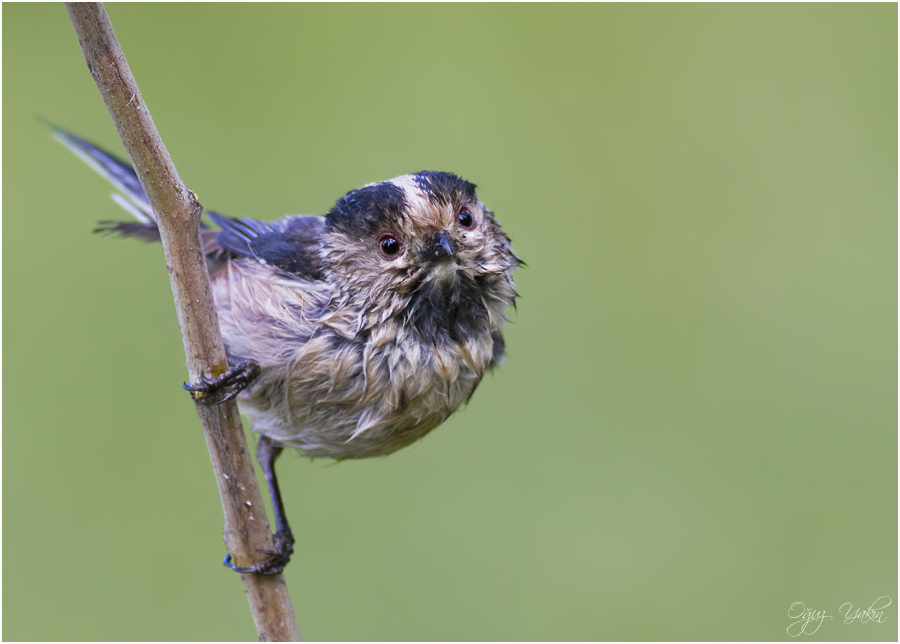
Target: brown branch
column 178, row 213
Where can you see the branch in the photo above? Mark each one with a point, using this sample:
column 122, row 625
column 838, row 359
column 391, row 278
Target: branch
column 178, row 214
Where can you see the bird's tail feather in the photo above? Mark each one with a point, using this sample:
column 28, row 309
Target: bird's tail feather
column 117, row 172
column 131, row 197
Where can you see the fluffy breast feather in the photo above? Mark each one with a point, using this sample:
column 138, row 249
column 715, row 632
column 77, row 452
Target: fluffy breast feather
column 330, row 390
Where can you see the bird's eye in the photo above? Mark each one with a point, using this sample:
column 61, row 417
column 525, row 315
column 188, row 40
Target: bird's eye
column 390, row 245
column 466, row 220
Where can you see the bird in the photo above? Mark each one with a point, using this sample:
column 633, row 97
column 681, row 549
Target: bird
column 350, row 334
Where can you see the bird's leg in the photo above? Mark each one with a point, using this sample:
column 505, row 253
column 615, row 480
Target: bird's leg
column 215, row 391
column 266, row 453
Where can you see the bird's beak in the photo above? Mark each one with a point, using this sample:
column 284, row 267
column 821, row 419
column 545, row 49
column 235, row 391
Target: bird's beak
column 441, row 248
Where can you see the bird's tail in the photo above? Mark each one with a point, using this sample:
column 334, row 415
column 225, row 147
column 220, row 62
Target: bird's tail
column 131, row 195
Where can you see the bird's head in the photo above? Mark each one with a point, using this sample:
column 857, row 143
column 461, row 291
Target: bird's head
column 422, row 244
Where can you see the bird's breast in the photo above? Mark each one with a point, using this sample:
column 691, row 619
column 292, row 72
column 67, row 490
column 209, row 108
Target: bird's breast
column 417, row 377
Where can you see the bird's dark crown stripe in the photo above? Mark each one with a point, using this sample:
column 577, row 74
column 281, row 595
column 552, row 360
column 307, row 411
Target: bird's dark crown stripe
column 442, row 187
column 361, row 211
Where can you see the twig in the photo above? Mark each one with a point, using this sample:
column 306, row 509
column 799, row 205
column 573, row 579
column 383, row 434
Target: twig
column 178, row 213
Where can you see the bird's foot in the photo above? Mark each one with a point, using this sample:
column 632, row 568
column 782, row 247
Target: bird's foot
column 215, row 391
column 280, row 555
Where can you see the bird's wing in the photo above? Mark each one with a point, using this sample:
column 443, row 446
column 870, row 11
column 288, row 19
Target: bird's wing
column 292, row 244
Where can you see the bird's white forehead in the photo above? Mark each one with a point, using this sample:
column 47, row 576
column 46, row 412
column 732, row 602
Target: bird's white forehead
column 412, row 192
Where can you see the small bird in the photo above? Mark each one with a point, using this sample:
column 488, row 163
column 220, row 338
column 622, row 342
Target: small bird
column 351, row 334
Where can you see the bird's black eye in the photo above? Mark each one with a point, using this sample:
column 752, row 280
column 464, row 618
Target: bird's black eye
column 466, row 220
column 390, row 245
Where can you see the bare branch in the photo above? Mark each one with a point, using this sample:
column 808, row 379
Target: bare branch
column 178, row 213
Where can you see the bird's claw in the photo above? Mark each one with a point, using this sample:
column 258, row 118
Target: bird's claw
column 280, row 555
column 215, row 391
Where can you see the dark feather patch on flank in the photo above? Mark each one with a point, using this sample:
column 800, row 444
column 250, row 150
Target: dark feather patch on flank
column 291, row 244
column 355, row 345
column 444, row 187
column 363, row 211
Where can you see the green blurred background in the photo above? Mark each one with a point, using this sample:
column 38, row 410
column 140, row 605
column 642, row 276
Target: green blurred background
column 696, row 424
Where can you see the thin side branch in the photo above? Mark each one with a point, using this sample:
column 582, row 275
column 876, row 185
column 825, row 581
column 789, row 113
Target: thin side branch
column 178, row 213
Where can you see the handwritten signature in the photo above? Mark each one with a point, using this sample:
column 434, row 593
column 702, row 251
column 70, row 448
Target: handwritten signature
column 805, row 619
column 871, row 614
column 808, row 621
